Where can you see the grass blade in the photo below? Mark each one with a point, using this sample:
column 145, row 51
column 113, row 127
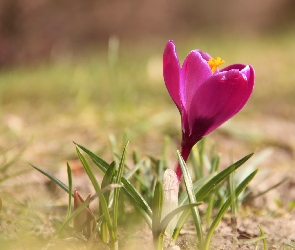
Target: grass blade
column 157, row 206
column 250, row 198
column 197, row 186
column 224, row 208
column 197, row 157
column 98, row 159
column 169, row 217
column 128, row 189
column 117, row 191
column 192, row 199
column 132, row 171
column 159, row 233
column 289, row 243
column 264, row 240
column 182, row 219
column 70, row 190
column 89, row 171
column 220, row 177
column 96, row 186
column 108, row 179
column 51, row 177
column 252, row 240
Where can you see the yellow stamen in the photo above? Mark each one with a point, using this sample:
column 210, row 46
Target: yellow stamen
column 214, row 63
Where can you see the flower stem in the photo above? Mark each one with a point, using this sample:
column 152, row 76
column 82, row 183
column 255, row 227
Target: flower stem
column 185, row 152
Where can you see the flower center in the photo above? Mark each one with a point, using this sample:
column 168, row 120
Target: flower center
column 214, row 63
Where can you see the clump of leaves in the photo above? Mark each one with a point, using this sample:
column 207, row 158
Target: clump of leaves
column 146, row 195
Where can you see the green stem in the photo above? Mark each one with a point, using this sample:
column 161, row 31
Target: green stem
column 115, row 245
column 158, row 243
column 210, row 208
column 198, row 225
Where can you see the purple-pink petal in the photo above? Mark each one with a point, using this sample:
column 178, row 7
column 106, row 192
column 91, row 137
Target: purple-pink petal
column 195, row 70
column 204, row 55
column 219, row 98
column 171, row 73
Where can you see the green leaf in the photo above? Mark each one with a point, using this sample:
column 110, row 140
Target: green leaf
column 70, row 189
column 98, row 159
column 252, row 240
column 215, row 164
column 197, row 156
column 157, row 208
column 209, row 210
column 104, row 190
column 135, row 157
column 225, row 207
column 109, row 175
column 201, row 194
column 116, row 192
column 56, row 222
column 114, row 147
column 51, row 177
column 128, row 189
column 192, row 199
column 97, row 189
column 246, row 200
column 263, row 235
column 232, row 192
column 159, row 233
column 289, row 243
column 164, row 223
column 180, row 223
column 194, row 156
column 183, row 200
column 197, row 186
column 88, row 171
column 131, row 172
column 108, row 178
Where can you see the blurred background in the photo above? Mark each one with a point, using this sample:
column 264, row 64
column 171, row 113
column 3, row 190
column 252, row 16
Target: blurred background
column 83, row 70
column 34, row 31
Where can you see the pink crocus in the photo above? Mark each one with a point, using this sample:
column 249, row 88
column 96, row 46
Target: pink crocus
column 205, row 96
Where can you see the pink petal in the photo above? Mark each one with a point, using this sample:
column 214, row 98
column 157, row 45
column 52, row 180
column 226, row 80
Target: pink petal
column 219, row 98
column 195, row 70
column 171, row 73
column 204, row 55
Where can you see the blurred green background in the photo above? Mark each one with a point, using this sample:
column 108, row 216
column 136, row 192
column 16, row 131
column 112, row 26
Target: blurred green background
column 82, row 70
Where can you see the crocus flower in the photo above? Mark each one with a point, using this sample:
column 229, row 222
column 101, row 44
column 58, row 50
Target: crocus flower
column 205, row 96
